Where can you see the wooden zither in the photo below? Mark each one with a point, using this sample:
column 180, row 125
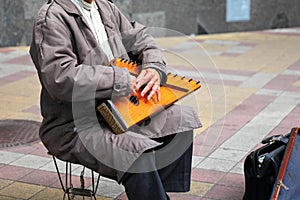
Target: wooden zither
column 124, row 112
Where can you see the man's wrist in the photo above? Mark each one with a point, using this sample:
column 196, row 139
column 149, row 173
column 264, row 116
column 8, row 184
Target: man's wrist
column 160, row 68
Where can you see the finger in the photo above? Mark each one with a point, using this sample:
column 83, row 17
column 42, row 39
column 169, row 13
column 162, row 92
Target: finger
column 158, row 94
column 154, row 90
column 141, row 75
column 144, row 80
column 147, row 88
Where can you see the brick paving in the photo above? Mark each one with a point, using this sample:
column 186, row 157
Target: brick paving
column 250, row 90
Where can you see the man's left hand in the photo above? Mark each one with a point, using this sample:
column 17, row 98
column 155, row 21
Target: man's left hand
column 151, row 78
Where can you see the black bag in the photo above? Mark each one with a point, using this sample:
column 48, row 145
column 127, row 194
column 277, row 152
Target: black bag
column 261, row 168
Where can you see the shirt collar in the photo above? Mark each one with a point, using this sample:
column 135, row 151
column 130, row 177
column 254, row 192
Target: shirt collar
column 87, row 6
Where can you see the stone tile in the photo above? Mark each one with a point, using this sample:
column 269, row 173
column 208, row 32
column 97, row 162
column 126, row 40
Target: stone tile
column 237, row 72
column 13, row 172
column 217, row 164
column 50, row 166
column 284, row 31
column 295, row 87
column 225, row 193
column 102, row 178
column 40, row 150
column 104, row 198
column 291, row 72
column 247, row 44
column 238, row 168
column 207, row 176
column 57, row 184
column 196, row 160
column 221, row 42
column 202, row 150
column 295, row 65
column 228, row 54
column 199, row 188
column 259, row 80
column 49, row 193
column 288, row 97
column 233, row 180
column 32, row 161
column 184, row 45
column 225, row 76
column 239, row 49
column 226, row 127
column 269, row 92
column 77, row 183
column 263, row 123
column 7, row 198
column 247, row 137
column 211, row 135
column 39, row 177
column 21, row 190
column 254, row 104
column 15, row 77
column 181, row 196
column 78, row 169
column 8, row 157
column 282, row 82
column 292, row 120
column 224, row 82
column 4, row 183
column 21, row 149
column 35, row 109
column 296, row 83
column 214, row 53
column 109, row 189
column 228, row 154
column 37, row 149
column 57, row 194
column 21, row 60
column 5, row 50
column 122, row 196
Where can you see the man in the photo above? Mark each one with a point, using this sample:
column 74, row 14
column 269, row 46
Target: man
column 73, row 44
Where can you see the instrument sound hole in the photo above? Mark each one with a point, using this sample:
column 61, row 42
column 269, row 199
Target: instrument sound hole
column 134, row 100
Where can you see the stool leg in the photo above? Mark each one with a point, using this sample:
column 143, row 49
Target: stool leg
column 68, row 187
column 59, row 176
column 97, row 184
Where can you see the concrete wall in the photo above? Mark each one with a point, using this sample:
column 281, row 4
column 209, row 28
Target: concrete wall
column 188, row 17
column 16, row 20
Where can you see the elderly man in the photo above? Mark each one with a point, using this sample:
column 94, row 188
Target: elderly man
column 73, row 44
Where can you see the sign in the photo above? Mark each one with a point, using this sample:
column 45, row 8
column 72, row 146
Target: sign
column 237, row 10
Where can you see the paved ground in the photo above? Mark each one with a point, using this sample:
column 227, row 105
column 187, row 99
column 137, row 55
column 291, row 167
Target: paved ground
column 250, row 89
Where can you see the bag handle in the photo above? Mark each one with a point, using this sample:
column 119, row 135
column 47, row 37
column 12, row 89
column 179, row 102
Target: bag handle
column 276, row 138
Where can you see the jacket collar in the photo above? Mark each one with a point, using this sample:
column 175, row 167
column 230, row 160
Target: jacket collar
column 69, row 7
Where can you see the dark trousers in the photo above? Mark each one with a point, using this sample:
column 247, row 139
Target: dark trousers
column 160, row 170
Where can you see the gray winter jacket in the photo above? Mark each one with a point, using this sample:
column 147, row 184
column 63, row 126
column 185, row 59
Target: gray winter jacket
column 75, row 78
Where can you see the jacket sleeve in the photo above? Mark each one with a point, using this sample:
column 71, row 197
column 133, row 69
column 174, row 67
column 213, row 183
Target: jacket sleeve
column 62, row 76
column 140, row 43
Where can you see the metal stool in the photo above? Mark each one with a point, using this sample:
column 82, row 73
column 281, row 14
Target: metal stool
column 68, row 188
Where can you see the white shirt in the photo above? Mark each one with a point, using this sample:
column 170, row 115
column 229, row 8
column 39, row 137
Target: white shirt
column 91, row 14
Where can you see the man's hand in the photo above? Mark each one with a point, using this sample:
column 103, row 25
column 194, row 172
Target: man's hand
column 151, row 78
